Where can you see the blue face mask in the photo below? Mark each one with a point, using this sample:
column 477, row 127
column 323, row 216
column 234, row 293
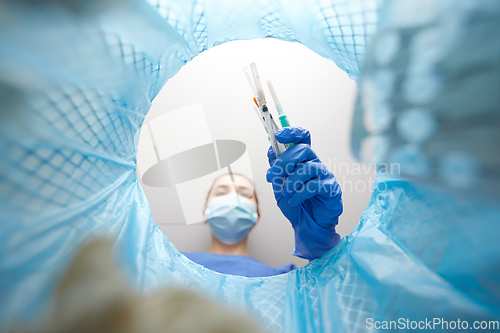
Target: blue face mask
column 231, row 217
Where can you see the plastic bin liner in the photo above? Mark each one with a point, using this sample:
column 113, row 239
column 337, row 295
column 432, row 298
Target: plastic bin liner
column 78, row 77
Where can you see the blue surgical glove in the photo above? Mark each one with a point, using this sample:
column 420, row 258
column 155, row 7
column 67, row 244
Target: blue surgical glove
column 306, row 192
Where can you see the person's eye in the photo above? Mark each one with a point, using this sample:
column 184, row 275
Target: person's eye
column 246, row 195
column 220, row 193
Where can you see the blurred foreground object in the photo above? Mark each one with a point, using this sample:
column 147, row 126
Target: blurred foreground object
column 428, row 106
column 94, row 297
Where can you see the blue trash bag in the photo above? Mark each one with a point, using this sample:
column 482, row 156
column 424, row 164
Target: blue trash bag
column 78, row 81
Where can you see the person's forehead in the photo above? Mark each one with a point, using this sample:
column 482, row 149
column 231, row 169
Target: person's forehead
column 239, row 180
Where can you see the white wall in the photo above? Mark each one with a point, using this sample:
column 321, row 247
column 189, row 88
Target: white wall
column 315, row 94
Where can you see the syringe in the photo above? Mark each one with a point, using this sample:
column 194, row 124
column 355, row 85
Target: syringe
column 250, row 83
column 265, row 110
column 258, row 113
column 281, row 115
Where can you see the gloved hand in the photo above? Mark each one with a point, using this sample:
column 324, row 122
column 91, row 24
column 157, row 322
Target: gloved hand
column 306, row 192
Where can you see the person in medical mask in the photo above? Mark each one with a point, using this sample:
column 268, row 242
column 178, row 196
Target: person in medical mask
column 306, row 192
column 231, row 211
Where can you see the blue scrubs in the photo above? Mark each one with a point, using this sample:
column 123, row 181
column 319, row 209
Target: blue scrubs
column 236, row 265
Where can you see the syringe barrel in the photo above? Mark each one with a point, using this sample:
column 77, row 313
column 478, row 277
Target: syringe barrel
column 270, row 130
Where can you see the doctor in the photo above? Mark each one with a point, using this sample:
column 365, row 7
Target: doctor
column 306, row 193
